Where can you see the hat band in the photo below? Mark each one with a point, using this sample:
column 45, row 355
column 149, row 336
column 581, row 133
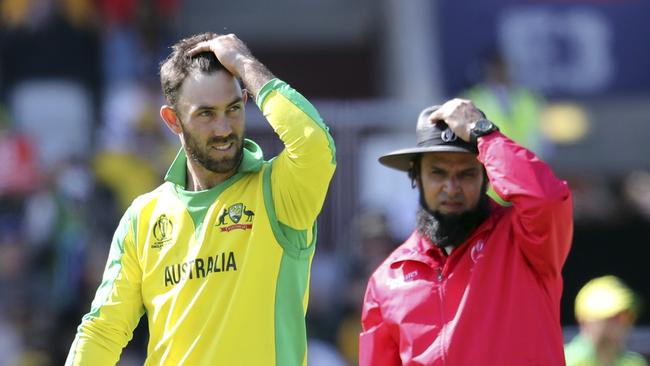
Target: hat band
column 428, row 142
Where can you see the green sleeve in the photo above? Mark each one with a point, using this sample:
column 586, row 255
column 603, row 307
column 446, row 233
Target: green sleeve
column 302, row 172
column 117, row 307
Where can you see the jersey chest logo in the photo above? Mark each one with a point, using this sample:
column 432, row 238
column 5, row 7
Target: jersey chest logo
column 477, row 250
column 162, row 232
column 230, row 218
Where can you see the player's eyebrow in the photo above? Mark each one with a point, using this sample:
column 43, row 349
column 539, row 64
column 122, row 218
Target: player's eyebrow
column 211, row 107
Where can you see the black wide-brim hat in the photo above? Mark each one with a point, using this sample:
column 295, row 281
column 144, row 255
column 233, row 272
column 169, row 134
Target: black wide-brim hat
column 430, row 137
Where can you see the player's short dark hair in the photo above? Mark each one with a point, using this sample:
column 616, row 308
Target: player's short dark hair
column 178, row 65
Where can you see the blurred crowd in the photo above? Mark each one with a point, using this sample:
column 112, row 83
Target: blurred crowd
column 80, row 137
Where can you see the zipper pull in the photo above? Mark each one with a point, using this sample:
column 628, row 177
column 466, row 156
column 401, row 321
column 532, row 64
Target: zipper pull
column 439, row 270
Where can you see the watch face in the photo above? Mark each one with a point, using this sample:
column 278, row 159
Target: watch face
column 483, row 126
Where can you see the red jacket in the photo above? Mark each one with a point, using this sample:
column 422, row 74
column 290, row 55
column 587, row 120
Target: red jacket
column 495, row 300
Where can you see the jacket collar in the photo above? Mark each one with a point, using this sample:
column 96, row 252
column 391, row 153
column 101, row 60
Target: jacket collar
column 251, row 162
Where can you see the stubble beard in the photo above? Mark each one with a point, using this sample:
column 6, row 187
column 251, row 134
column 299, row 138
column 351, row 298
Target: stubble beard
column 202, row 155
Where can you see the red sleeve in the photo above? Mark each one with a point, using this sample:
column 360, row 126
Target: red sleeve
column 376, row 345
column 543, row 213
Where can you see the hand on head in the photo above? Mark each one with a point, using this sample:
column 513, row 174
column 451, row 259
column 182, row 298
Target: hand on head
column 458, row 114
column 229, row 50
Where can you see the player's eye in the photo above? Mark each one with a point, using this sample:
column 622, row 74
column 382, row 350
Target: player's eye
column 234, row 108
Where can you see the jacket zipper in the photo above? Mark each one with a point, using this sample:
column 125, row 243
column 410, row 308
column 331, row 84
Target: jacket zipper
column 440, row 278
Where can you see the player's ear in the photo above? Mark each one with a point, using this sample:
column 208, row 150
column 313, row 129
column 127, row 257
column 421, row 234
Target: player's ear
column 168, row 115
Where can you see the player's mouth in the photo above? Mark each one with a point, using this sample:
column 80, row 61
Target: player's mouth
column 223, row 147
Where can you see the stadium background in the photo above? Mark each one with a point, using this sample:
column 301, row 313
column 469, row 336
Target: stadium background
column 80, row 135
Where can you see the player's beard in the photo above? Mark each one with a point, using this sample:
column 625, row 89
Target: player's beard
column 451, row 230
column 202, row 155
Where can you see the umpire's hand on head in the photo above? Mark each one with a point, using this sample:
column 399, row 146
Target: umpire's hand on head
column 459, row 114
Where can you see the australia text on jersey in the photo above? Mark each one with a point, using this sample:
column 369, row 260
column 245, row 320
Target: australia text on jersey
column 200, row 268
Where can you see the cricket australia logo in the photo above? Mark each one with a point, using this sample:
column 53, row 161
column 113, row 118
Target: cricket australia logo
column 162, row 231
column 230, row 218
column 448, row 135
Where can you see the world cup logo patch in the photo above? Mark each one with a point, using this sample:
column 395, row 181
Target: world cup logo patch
column 162, row 231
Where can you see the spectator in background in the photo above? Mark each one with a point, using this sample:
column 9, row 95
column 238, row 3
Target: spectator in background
column 606, row 310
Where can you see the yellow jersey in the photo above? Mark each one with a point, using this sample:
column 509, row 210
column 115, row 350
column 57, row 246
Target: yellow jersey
column 222, row 274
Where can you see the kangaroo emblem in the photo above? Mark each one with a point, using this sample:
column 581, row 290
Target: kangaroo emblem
column 222, row 217
column 249, row 214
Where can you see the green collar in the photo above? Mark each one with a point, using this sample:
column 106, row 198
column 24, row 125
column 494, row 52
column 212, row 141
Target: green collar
column 251, row 162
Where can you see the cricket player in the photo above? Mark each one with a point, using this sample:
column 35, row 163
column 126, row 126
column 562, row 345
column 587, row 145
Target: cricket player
column 217, row 257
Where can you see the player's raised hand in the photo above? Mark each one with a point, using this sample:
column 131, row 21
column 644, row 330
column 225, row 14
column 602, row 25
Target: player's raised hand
column 459, row 114
column 235, row 56
column 229, row 50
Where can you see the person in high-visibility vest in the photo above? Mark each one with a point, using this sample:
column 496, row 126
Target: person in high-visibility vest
column 514, row 108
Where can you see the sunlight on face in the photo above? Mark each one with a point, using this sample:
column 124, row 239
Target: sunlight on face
column 211, row 110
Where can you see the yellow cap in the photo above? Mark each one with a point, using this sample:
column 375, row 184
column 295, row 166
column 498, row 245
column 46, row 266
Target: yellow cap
column 602, row 298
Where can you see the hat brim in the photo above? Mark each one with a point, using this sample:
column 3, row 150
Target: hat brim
column 401, row 159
